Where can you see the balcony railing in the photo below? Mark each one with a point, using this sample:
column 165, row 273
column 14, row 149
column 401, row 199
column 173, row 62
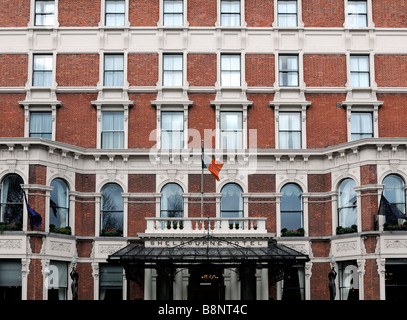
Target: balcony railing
column 204, row 225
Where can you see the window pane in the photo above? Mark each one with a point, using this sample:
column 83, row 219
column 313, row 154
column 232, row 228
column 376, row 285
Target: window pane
column 172, row 130
column 112, row 207
column 41, row 125
column 115, row 6
column 173, row 19
column 173, row 6
column 59, row 204
column 11, row 199
column 361, row 125
column 291, row 207
column 172, row 203
column 394, row 191
column 172, row 70
column 113, row 74
column 44, row 13
column 112, row 130
column 230, row 70
column 230, row 13
column 347, row 203
column 287, row 13
column 230, row 6
column 10, row 273
column 231, row 202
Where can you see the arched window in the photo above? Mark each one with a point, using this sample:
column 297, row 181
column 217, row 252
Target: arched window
column 172, row 203
column 394, row 191
column 12, row 198
column 112, row 210
column 59, row 204
column 291, row 207
column 347, row 213
column 231, row 202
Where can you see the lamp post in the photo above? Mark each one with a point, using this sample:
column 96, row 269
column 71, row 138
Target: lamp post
column 332, row 276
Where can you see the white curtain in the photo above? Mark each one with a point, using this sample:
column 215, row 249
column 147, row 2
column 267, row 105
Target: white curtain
column 41, row 125
column 42, row 76
column 357, row 13
column 172, row 70
column 359, row 67
column 44, row 13
column 361, row 125
column 230, row 74
column 289, row 130
column 347, row 204
column 287, row 13
column 112, row 130
column 172, row 130
column 173, row 10
column 115, row 13
column 230, row 13
column 114, row 66
column 288, row 67
column 231, row 130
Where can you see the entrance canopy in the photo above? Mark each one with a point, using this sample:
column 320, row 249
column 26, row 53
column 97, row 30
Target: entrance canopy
column 207, row 250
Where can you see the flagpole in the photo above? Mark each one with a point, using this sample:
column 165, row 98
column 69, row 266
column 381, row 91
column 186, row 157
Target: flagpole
column 202, row 174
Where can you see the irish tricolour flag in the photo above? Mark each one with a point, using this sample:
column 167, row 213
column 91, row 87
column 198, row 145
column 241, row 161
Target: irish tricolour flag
column 213, row 166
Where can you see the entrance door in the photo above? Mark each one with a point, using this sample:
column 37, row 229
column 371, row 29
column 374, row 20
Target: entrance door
column 206, row 283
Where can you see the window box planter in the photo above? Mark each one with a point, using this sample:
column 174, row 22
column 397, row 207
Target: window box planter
column 10, row 227
column 292, row 233
column 391, row 227
column 62, row 230
column 111, row 233
column 351, row 229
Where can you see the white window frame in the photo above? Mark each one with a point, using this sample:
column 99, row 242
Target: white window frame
column 112, row 130
column 30, row 108
column 115, row 13
column 169, row 71
column 358, row 72
column 300, row 108
column 184, row 21
column 124, row 71
column 33, row 15
column 291, row 132
column 236, row 133
column 175, row 107
column 171, row 130
column 362, row 108
column 102, row 21
column 300, row 23
column 242, row 22
column 100, row 108
column 361, row 133
column 33, row 134
column 47, row 71
column 234, row 107
column 232, row 13
column 369, row 15
column 279, row 71
column 222, row 71
column 283, row 14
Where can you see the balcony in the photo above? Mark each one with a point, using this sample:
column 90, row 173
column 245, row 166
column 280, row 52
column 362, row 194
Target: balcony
column 201, row 226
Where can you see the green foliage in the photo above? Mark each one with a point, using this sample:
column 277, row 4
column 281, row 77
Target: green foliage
column 352, row 229
column 292, row 233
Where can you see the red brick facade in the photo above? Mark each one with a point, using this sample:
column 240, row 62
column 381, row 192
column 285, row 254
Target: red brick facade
column 13, row 68
column 324, row 95
column 325, row 70
column 70, row 70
